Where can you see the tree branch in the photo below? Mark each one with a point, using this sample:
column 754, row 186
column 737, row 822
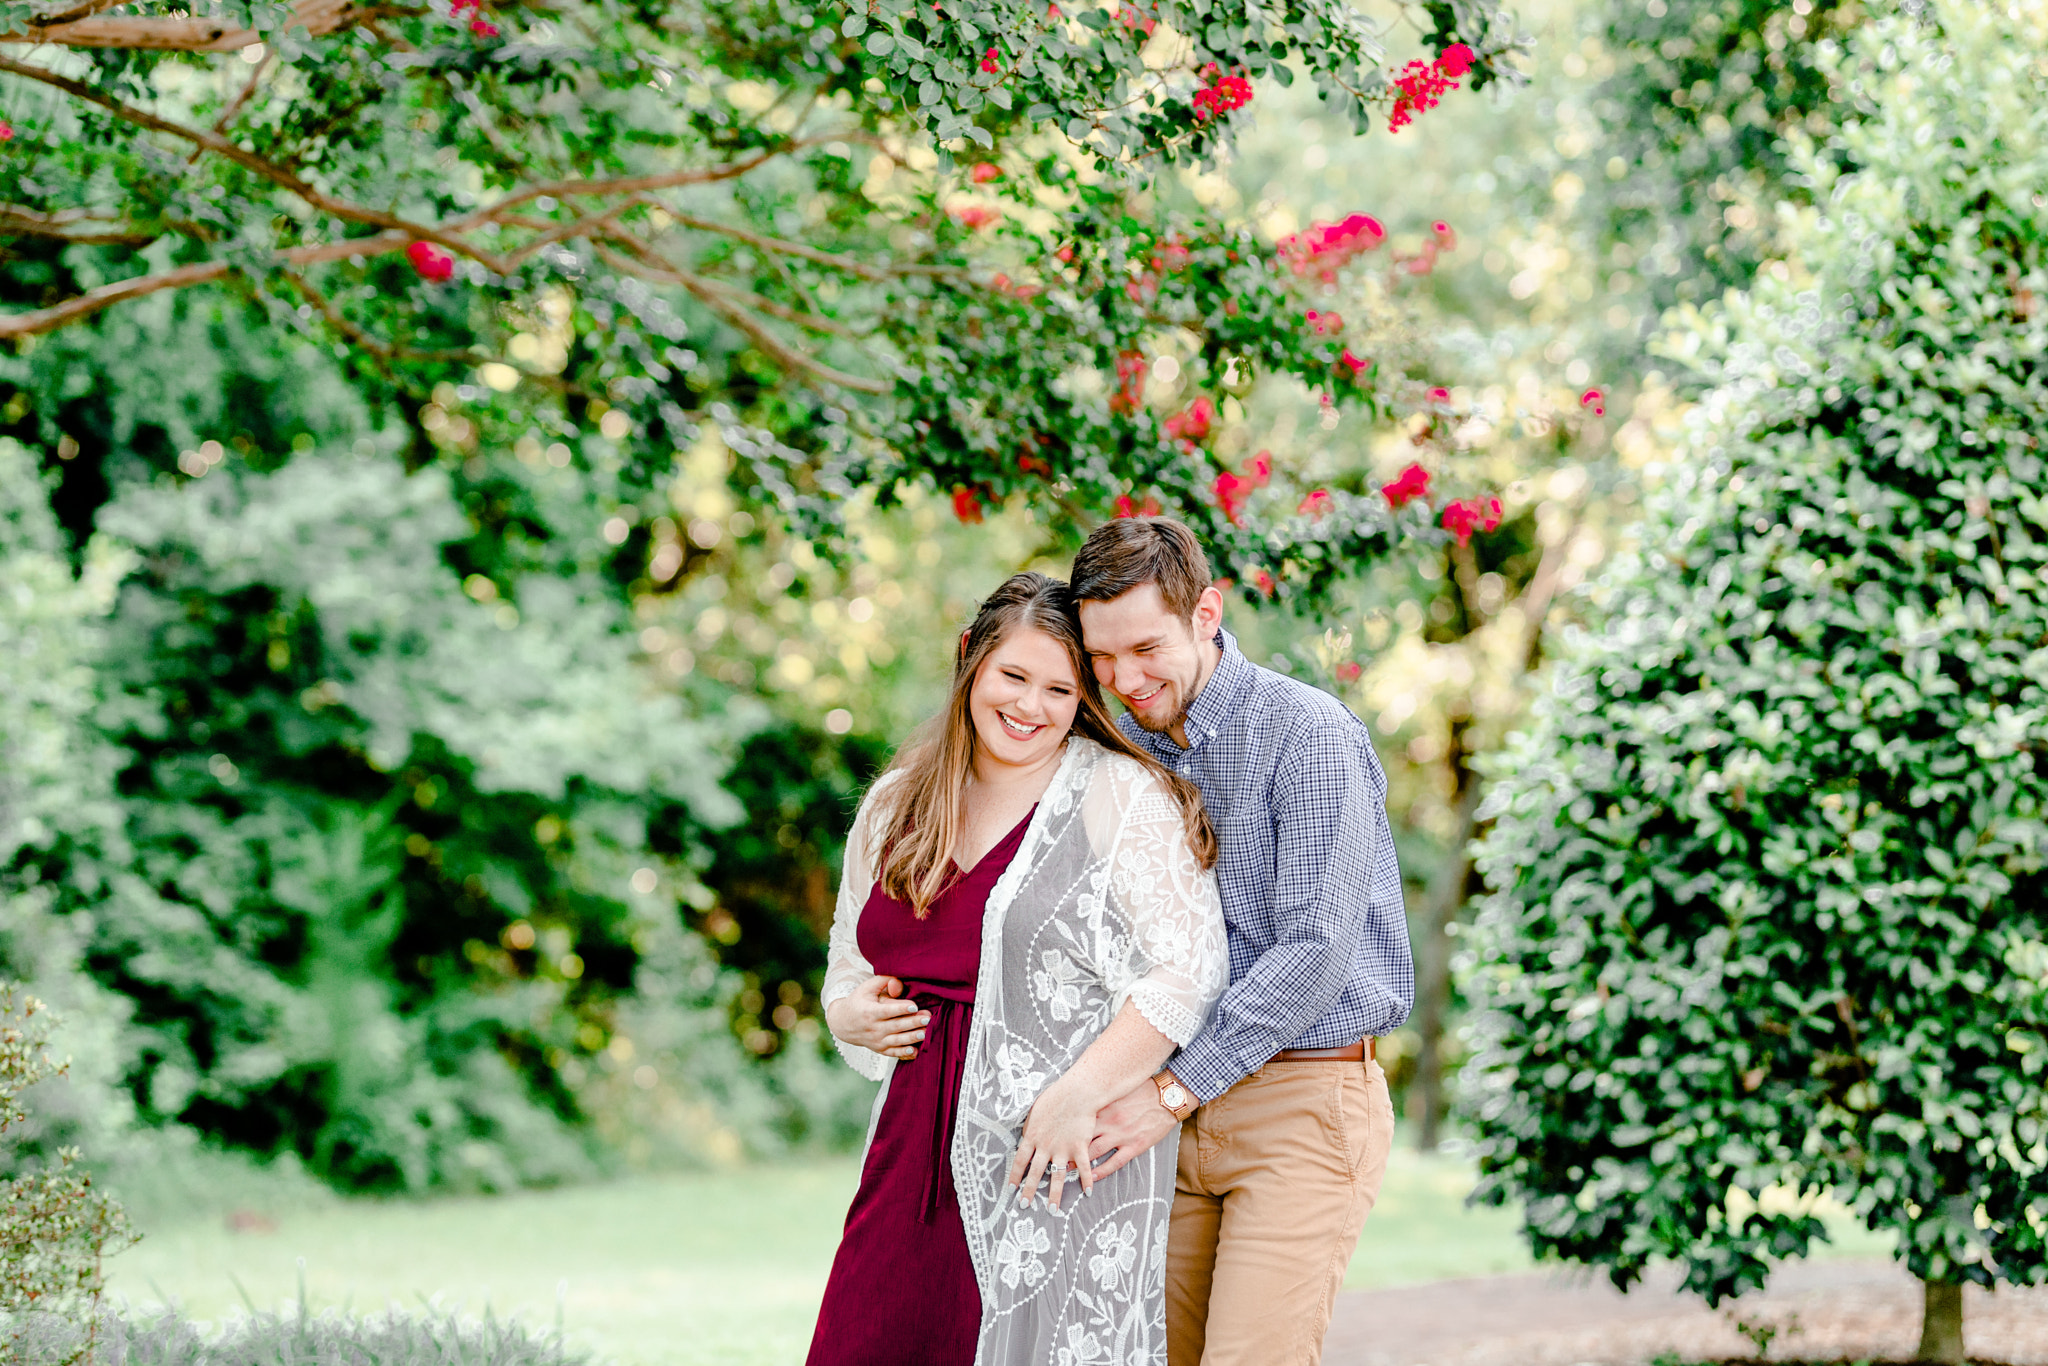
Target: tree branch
column 221, row 146
column 19, row 218
column 184, row 277
column 801, row 252
column 317, row 17
column 566, row 189
column 725, row 307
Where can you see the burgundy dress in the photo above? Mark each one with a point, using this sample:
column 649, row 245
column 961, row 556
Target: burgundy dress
column 902, row 1289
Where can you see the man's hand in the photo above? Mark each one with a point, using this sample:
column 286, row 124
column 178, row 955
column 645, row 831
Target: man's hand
column 873, row 1017
column 1130, row 1124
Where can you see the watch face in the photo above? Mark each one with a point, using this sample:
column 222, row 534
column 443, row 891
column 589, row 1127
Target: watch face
column 1175, row 1096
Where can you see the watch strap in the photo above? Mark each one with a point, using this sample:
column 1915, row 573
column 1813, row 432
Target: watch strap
column 1163, row 1080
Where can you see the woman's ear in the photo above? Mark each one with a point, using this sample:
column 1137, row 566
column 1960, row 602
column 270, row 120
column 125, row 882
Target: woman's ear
column 961, row 657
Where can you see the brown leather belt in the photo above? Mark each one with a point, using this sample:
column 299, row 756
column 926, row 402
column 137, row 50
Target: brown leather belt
column 1357, row 1052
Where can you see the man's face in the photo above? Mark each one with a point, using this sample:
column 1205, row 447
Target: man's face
column 1154, row 661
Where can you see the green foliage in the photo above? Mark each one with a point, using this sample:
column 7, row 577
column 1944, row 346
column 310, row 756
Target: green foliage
column 386, row 831
column 1770, row 916
column 721, row 219
column 55, row 1228
column 57, row 802
column 1663, row 156
column 328, row 1339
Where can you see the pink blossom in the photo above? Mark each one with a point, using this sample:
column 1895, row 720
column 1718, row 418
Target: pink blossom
column 1323, row 248
column 1408, row 485
column 1194, row 424
column 430, row 261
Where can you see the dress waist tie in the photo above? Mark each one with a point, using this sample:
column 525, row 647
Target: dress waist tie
column 945, row 1047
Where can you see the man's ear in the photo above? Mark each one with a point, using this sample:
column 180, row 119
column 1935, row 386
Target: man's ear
column 1208, row 618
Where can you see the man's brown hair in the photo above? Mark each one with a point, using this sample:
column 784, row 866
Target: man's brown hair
column 1131, row 552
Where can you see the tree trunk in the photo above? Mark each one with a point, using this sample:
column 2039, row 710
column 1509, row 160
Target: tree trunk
column 1941, row 1325
column 1427, row 1104
column 1426, row 1100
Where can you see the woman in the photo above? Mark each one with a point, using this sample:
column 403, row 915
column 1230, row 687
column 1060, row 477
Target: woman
column 1026, row 929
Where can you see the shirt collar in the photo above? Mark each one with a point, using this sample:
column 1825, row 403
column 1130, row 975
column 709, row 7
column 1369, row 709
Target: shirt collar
column 1221, row 696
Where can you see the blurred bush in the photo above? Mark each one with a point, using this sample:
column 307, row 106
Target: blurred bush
column 303, row 1339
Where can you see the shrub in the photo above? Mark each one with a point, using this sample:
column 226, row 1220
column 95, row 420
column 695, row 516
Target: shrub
column 54, row 1227
column 301, row 1338
column 1769, row 911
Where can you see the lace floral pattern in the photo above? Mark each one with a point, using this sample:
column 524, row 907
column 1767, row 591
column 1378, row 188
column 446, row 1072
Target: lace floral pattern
column 1104, row 903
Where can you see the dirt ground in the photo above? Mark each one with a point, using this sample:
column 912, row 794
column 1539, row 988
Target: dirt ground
column 1824, row 1311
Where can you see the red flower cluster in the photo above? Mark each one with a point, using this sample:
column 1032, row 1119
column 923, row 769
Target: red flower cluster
column 975, row 216
column 1324, row 324
column 1228, row 93
column 1194, row 424
column 988, row 63
column 1463, row 516
column 967, row 503
column 430, row 261
column 1422, row 84
column 1131, row 369
column 1232, row 489
column 1357, row 365
column 1349, row 670
column 1032, row 463
column 1002, row 284
column 1316, row 504
column 1442, row 238
column 1439, row 395
column 984, row 172
column 1266, row 582
column 1408, row 485
column 1170, row 256
column 1324, row 247
column 6, row 131
column 1595, row 400
column 1134, row 20
column 480, row 26
column 1126, row 507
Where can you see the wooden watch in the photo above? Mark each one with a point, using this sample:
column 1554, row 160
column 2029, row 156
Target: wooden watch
column 1178, row 1100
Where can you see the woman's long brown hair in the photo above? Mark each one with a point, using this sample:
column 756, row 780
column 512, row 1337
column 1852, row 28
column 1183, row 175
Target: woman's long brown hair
column 923, row 819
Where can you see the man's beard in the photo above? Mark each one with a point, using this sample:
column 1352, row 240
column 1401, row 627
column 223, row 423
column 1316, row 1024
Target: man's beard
column 1158, row 727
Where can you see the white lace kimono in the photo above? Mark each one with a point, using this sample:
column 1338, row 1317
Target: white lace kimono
column 1103, row 903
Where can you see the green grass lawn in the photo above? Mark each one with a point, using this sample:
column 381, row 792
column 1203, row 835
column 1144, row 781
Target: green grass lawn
column 713, row 1269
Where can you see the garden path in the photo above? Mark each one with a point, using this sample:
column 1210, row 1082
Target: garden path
column 1823, row 1310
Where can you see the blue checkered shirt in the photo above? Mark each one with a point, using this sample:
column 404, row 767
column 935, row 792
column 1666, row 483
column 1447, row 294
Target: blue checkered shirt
column 1311, row 892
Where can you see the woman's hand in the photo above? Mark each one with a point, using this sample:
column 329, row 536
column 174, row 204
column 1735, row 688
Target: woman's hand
column 875, row 1017
column 1057, row 1133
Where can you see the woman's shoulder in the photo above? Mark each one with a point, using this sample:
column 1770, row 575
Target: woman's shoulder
column 1127, row 774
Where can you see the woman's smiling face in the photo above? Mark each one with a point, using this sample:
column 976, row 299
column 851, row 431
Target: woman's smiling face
column 1024, row 700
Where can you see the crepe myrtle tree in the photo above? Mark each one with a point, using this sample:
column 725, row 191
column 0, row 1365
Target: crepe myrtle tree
column 861, row 244
column 1769, row 919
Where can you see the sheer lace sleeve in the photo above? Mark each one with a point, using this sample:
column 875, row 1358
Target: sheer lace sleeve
column 1170, row 955
column 845, row 966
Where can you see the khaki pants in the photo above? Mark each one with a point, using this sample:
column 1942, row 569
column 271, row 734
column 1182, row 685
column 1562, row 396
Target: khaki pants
column 1276, row 1178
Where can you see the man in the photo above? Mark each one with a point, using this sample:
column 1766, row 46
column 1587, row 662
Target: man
column 1284, row 1114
